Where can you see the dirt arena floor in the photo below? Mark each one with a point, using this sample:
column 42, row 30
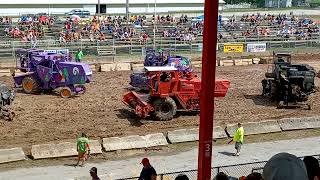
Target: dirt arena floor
column 45, row 118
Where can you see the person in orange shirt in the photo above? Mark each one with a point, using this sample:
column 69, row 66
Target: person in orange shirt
column 97, row 27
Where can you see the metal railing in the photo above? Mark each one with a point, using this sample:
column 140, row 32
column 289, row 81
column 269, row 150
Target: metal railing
column 236, row 171
column 134, row 47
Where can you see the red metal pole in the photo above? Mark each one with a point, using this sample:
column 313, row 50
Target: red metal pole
column 207, row 88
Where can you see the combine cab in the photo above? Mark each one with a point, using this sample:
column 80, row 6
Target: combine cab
column 47, row 71
column 289, row 84
column 170, row 91
column 139, row 80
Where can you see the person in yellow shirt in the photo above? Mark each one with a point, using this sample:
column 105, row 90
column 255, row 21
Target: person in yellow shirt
column 238, row 137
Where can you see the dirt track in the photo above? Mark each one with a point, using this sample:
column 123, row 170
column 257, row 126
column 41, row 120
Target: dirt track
column 46, row 118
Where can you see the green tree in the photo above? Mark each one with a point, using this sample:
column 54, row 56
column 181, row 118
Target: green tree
column 260, row 3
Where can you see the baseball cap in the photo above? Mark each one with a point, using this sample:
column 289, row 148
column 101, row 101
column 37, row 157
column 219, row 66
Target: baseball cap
column 285, row 166
column 145, row 161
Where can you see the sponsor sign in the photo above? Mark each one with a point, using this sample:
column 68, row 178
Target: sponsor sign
column 259, row 47
column 228, row 48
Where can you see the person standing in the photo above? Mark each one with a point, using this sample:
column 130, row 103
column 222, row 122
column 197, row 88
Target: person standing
column 147, row 172
column 79, row 55
column 83, row 149
column 94, row 173
column 182, row 177
column 238, row 138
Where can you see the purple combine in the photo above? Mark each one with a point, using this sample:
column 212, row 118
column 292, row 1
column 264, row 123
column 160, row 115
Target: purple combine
column 49, row 71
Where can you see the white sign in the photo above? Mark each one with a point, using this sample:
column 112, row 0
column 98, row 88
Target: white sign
column 61, row 51
column 50, row 51
column 259, row 47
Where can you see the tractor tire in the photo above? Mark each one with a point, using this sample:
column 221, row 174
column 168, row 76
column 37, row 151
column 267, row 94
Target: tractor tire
column 65, row 92
column 29, row 85
column 164, row 109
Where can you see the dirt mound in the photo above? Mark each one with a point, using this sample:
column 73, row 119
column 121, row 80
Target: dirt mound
column 44, row 118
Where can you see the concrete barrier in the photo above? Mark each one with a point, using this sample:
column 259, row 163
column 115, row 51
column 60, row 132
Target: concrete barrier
column 188, row 135
column 155, row 140
column 129, row 142
column 123, row 67
column 108, row 67
column 218, row 132
column 11, row 155
column 255, row 60
column 246, row 61
column 252, row 128
column 238, row 62
column 228, row 62
column 95, row 67
column 137, row 67
column 7, row 65
column 5, row 72
column 299, row 123
column 134, row 142
column 183, row 135
column 196, row 62
column 64, row 149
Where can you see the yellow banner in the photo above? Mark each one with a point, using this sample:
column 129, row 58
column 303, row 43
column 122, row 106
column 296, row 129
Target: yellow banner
column 233, row 48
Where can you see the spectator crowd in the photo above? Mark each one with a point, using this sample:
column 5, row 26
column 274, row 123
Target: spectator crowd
column 282, row 166
column 99, row 28
column 269, row 25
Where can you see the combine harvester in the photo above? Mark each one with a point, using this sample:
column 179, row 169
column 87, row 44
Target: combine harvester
column 139, row 80
column 170, row 91
column 289, row 84
column 50, row 71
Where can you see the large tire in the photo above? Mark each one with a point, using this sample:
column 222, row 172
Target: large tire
column 65, row 92
column 164, row 109
column 29, row 85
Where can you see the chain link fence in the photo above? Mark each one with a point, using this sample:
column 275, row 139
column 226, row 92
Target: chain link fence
column 235, row 171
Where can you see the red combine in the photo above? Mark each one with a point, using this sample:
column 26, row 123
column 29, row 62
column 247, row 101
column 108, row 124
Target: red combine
column 170, row 90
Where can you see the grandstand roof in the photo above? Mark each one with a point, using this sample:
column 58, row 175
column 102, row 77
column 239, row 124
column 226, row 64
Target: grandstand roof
column 104, row 2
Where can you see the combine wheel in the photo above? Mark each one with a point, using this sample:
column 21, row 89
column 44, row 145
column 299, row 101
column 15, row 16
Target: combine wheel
column 65, row 92
column 80, row 89
column 164, row 109
column 29, row 85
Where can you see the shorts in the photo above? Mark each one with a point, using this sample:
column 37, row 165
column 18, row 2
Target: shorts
column 82, row 155
column 238, row 146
